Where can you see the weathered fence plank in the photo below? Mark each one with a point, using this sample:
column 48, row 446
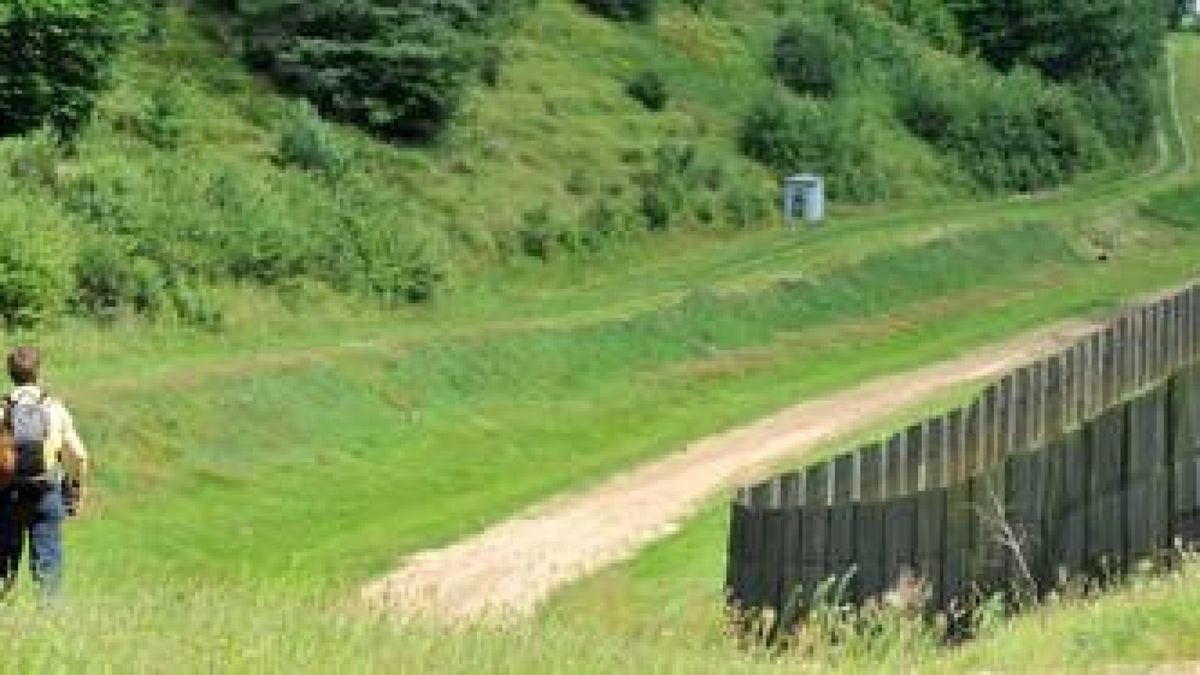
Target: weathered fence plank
column 814, row 525
column 1105, row 521
column 842, row 536
column 931, row 510
column 793, row 499
column 869, row 531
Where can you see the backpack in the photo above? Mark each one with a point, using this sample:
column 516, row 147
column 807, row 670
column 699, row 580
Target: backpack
column 23, row 444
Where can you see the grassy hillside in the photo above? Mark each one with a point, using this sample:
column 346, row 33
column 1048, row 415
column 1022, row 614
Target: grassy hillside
column 200, row 183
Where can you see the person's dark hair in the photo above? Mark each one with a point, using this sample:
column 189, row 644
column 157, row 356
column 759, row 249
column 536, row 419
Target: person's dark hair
column 24, row 364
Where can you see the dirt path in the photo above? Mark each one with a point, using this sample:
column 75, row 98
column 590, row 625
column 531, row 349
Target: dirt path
column 506, row 570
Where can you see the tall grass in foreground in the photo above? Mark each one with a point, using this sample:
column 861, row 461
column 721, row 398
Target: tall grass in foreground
column 201, row 628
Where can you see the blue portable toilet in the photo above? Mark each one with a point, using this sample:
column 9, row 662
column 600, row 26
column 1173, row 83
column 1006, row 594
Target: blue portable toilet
column 806, row 191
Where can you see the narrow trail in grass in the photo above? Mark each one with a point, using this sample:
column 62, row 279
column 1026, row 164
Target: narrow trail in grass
column 506, row 570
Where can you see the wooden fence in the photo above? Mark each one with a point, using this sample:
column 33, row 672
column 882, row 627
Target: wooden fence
column 1082, row 463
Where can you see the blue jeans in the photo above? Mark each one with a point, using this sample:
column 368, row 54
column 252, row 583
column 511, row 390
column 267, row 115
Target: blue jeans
column 33, row 514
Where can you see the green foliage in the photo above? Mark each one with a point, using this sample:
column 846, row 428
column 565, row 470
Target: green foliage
column 307, row 143
column 36, row 256
column 812, row 57
column 650, row 89
column 933, row 19
column 833, row 139
column 1111, row 46
column 395, row 69
column 55, row 60
column 160, row 122
column 623, row 10
column 1010, row 133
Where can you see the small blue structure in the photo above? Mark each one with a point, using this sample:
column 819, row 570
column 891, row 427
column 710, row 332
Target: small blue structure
column 808, row 192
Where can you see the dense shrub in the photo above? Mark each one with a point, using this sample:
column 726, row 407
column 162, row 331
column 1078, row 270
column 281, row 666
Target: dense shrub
column 396, row 69
column 1115, row 43
column 307, row 143
column 833, row 139
column 812, row 57
column 160, row 121
column 649, row 89
column 1010, row 133
column 55, row 58
column 933, row 19
column 623, row 10
column 36, row 256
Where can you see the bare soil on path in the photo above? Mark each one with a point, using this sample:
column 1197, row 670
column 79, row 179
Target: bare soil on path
column 505, row 571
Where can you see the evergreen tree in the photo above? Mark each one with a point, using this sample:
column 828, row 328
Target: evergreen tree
column 55, row 60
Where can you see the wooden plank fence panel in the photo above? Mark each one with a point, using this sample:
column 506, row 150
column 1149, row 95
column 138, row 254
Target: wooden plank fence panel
column 1023, row 532
column 1037, row 403
column 1076, row 454
column 931, row 510
column 955, row 579
column 1146, row 493
column 1164, row 336
column 869, row 530
column 1021, row 433
column 793, row 537
column 814, row 524
column 1123, row 361
column 1185, row 398
column 1145, row 341
column 899, row 526
column 1105, row 519
column 842, row 554
column 1095, row 392
column 1004, row 419
column 1070, row 387
column 1054, row 421
column 755, row 594
column 1187, row 348
column 771, row 571
column 1108, row 367
column 1086, row 369
column 737, row 550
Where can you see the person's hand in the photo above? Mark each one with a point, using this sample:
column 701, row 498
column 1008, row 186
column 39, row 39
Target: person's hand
column 75, row 499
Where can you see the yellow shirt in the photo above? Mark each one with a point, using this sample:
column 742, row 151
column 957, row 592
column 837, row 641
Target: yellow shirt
column 62, row 441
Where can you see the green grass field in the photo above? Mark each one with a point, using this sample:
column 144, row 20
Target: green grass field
column 249, row 481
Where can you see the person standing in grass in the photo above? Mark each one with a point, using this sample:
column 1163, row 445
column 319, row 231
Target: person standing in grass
column 42, row 467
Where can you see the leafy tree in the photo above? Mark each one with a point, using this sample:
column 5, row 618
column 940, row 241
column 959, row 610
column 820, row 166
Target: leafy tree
column 1108, row 48
column 812, row 57
column 396, row 68
column 1066, row 40
column 36, row 255
column 55, row 60
column 931, row 18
